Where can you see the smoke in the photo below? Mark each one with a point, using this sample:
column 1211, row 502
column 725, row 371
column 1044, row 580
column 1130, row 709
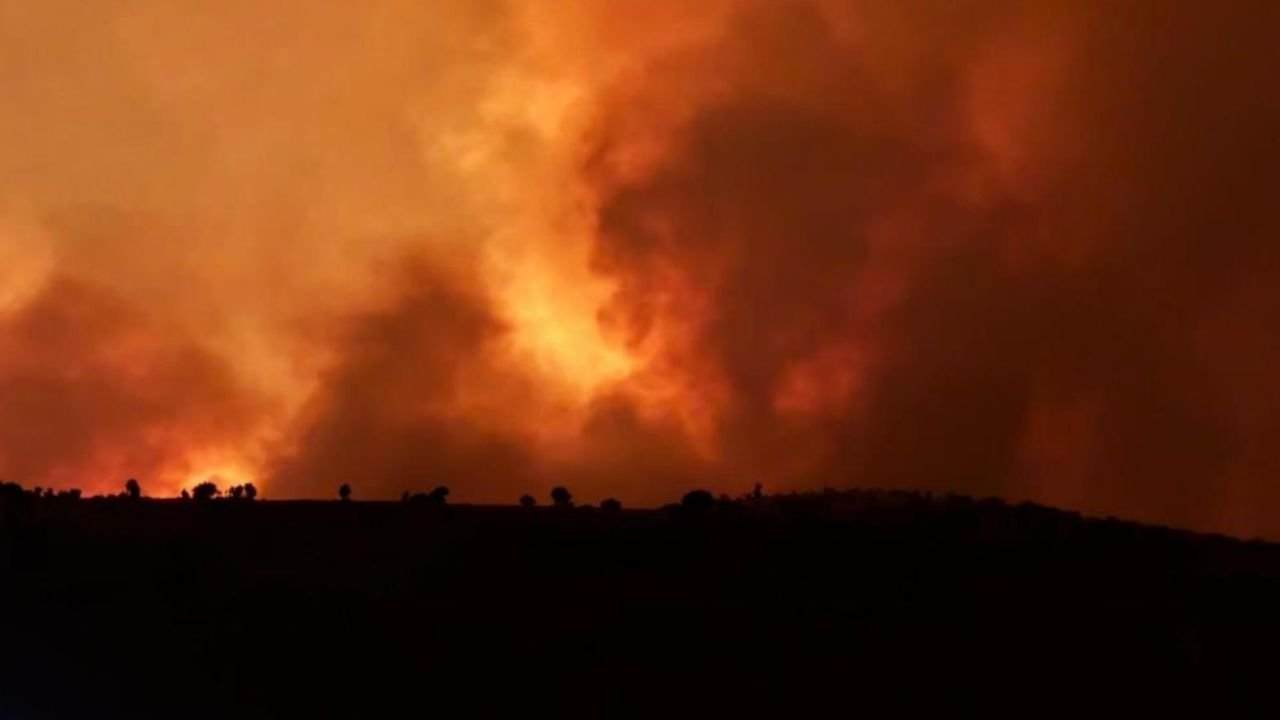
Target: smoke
column 233, row 176
column 92, row 386
column 992, row 252
column 1021, row 249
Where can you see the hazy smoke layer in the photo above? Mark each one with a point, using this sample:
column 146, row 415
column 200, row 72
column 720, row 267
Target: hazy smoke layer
column 1024, row 249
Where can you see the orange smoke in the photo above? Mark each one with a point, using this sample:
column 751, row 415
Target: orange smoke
column 94, row 389
column 1020, row 249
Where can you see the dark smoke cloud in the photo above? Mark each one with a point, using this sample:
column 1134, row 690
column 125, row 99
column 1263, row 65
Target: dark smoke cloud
column 419, row 395
column 386, row 416
column 94, row 390
column 1090, row 327
column 624, row 454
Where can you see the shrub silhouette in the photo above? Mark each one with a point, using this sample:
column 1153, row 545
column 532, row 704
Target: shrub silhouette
column 250, row 491
column 205, row 491
column 437, row 496
column 235, row 492
column 611, row 505
column 561, row 497
column 133, row 489
column 697, row 501
column 727, row 502
column 527, row 501
column 344, row 492
column 12, row 492
column 185, row 495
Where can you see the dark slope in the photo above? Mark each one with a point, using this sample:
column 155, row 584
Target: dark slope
column 784, row 605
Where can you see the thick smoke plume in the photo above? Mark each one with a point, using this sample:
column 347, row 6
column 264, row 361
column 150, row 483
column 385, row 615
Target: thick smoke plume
column 1007, row 248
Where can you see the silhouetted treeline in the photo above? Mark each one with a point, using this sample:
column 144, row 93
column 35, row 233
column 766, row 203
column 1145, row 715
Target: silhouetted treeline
column 13, row 494
column 776, row 605
column 943, row 515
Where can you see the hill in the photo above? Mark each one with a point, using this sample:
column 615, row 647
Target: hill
column 159, row 608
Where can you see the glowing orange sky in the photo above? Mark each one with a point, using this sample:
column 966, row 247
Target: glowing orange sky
column 1009, row 248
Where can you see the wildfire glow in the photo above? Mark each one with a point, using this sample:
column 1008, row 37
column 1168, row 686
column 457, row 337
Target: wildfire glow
column 638, row 245
column 224, row 476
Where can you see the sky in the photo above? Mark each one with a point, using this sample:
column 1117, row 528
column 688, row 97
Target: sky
column 1001, row 248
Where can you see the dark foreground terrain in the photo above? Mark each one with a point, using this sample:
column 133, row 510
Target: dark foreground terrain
column 782, row 606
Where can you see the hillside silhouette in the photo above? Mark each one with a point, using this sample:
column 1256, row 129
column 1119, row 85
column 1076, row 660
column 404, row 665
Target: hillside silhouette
column 231, row 606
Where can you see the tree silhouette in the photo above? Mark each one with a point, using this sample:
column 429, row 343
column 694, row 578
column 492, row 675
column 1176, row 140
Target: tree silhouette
column 344, row 492
column 250, row 491
column 12, row 492
column 235, row 492
column 133, row 489
column 561, row 497
column 527, row 501
column 185, row 495
column 611, row 505
column 698, row 501
column 438, row 495
column 205, row 491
